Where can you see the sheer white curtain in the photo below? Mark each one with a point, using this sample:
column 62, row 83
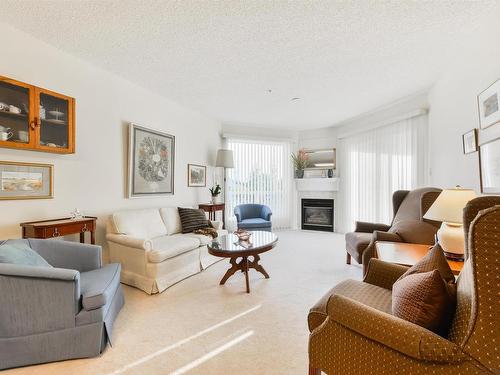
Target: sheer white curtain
column 262, row 174
column 375, row 163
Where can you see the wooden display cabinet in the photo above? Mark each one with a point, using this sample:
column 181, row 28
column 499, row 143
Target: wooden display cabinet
column 32, row 118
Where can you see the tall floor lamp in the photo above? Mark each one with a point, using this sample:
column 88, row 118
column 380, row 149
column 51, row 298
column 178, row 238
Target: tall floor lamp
column 224, row 160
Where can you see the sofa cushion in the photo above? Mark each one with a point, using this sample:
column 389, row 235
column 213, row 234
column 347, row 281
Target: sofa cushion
column 254, row 223
column 357, row 242
column 98, row 286
column 19, row 252
column 368, row 294
column 171, row 219
column 140, row 223
column 166, row 247
column 192, row 219
column 204, row 240
column 424, row 299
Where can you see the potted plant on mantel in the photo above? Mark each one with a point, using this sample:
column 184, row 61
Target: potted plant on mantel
column 215, row 192
column 300, row 162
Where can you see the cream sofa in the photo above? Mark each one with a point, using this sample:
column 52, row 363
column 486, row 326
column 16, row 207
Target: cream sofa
column 152, row 250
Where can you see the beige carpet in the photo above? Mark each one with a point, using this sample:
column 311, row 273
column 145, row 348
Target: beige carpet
column 199, row 327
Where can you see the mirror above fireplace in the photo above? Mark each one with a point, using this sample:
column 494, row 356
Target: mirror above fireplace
column 322, row 159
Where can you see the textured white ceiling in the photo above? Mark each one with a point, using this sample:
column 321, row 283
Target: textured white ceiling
column 341, row 58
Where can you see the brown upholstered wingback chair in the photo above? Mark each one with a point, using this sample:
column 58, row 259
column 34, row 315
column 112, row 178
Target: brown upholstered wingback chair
column 353, row 330
column 408, row 225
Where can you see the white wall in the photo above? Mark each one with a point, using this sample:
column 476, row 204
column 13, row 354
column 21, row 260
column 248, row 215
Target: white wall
column 453, row 106
column 318, row 138
column 94, row 179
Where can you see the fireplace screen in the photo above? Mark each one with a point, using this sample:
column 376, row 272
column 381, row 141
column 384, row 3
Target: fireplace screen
column 317, row 214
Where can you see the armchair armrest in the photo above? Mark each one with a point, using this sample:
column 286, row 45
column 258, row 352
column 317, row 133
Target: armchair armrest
column 397, row 334
column 383, row 274
column 386, row 236
column 68, row 254
column 365, row 227
column 136, row 243
column 237, row 213
column 217, row 225
column 266, row 213
column 37, row 299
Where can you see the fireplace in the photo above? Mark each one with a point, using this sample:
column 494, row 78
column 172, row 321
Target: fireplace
column 317, row 214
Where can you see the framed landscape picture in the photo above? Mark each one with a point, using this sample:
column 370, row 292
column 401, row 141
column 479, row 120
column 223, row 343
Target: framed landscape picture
column 26, row 180
column 197, row 175
column 489, row 167
column 489, row 105
column 151, row 162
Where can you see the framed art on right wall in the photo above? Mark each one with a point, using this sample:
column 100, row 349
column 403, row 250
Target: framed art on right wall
column 489, row 105
column 489, row 166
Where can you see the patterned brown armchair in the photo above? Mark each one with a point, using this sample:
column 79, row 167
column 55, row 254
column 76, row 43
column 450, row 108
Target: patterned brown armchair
column 408, row 225
column 353, row 331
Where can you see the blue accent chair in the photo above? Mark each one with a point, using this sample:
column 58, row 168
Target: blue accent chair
column 61, row 308
column 253, row 217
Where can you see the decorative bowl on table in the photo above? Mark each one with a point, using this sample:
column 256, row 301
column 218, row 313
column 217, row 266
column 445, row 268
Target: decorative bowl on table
column 242, row 234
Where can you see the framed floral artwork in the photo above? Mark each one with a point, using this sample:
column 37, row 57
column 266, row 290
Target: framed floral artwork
column 151, row 162
column 26, row 180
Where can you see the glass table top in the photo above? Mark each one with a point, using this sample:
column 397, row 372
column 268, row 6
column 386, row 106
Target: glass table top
column 231, row 243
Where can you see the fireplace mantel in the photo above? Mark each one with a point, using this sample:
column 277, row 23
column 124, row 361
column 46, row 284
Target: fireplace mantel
column 317, row 184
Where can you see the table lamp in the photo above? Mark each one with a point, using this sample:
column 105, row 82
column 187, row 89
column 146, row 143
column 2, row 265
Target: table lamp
column 448, row 208
column 224, row 160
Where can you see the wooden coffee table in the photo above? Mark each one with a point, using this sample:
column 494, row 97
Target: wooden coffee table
column 228, row 246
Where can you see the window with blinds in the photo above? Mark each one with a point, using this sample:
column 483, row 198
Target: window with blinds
column 262, row 174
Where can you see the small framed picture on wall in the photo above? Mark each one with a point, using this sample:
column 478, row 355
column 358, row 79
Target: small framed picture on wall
column 197, row 175
column 26, row 180
column 489, row 166
column 489, row 105
column 469, row 141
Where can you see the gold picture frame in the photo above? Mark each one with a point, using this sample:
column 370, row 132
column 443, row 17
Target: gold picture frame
column 21, row 180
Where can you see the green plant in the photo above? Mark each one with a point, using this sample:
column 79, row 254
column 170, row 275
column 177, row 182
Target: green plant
column 215, row 190
column 300, row 160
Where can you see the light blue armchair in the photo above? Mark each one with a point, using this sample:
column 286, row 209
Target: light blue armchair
column 56, row 308
column 253, row 217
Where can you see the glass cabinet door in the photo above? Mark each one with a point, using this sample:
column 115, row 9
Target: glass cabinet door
column 16, row 123
column 55, row 121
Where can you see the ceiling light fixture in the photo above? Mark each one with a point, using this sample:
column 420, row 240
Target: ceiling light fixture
column 294, row 99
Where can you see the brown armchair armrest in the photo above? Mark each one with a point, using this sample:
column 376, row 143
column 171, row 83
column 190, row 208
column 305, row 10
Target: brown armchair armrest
column 383, row 274
column 386, row 236
column 395, row 333
column 364, row 227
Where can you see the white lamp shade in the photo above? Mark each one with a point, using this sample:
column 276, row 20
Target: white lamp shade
column 449, row 205
column 224, row 159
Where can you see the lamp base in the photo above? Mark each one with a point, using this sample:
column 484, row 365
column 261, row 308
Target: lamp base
column 452, row 240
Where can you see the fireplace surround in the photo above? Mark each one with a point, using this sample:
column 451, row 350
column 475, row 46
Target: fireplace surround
column 318, row 214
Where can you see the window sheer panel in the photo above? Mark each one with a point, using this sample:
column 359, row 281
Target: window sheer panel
column 262, row 174
column 374, row 164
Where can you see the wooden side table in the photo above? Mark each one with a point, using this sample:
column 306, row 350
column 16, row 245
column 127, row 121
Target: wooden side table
column 408, row 254
column 61, row 227
column 212, row 208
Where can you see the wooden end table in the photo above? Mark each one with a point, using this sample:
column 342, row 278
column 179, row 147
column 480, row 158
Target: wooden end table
column 61, row 227
column 408, row 254
column 228, row 246
column 212, row 208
